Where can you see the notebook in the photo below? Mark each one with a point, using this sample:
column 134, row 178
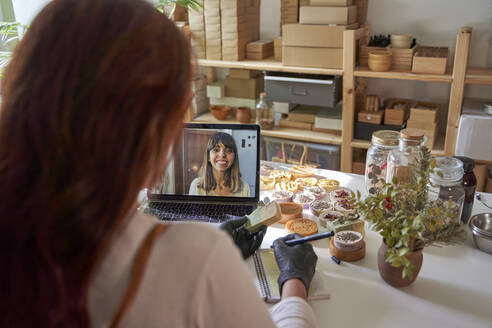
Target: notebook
column 190, row 189
column 264, row 269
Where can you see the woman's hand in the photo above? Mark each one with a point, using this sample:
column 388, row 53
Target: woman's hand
column 246, row 241
column 297, row 261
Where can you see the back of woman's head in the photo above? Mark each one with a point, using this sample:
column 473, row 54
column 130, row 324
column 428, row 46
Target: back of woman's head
column 92, row 101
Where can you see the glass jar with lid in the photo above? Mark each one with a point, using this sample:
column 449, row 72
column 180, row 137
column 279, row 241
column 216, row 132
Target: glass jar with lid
column 402, row 160
column 382, row 142
column 469, row 185
column 445, row 187
column 264, row 113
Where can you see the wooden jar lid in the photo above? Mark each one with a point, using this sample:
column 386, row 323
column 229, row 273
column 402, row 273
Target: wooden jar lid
column 412, row 134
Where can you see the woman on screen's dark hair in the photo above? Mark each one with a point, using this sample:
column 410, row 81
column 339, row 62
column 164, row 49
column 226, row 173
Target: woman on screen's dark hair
column 220, row 174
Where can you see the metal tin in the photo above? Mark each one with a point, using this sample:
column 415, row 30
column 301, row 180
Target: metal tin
column 481, row 228
column 385, row 138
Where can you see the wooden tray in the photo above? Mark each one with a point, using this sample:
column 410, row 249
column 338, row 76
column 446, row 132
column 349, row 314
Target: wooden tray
column 348, row 256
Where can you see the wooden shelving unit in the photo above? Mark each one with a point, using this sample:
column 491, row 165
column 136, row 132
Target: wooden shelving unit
column 404, row 75
column 267, row 65
column 284, row 133
column 478, row 75
column 457, row 76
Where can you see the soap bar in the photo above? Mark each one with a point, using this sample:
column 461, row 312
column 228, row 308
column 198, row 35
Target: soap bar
column 267, row 215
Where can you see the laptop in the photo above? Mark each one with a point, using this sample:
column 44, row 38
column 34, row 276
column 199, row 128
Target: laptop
column 215, row 172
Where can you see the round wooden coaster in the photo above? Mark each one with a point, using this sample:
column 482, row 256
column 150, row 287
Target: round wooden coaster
column 348, row 256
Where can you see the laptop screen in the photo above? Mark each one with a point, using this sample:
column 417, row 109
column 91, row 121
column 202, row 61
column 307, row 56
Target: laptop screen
column 213, row 161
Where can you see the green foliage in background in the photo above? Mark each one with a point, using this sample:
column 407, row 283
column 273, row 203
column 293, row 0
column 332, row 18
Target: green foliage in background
column 188, row 4
column 404, row 217
column 10, row 33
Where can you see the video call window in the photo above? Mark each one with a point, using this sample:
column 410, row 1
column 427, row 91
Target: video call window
column 212, row 162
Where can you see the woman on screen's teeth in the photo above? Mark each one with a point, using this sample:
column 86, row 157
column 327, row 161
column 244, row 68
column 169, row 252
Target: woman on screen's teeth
column 221, row 157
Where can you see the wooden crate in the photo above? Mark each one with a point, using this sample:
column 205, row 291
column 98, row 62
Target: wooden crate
column 370, row 117
column 396, row 116
column 402, row 58
column 364, row 54
column 428, row 114
column 431, row 60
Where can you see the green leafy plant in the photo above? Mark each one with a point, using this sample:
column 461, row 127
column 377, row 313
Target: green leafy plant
column 406, row 219
column 188, row 4
column 10, row 33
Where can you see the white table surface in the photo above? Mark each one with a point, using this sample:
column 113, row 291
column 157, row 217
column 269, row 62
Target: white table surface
column 453, row 288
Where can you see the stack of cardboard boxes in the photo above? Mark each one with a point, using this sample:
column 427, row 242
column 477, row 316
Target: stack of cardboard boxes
column 318, row 40
column 289, row 12
column 197, row 28
column 240, row 21
column 200, row 102
column 213, row 32
column 425, row 118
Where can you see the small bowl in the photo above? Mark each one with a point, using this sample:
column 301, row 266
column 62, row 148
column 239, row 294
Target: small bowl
column 220, row 112
column 379, row 61
column 481, row 228
column 401, row 40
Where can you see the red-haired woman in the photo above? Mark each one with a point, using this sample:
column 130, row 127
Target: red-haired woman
column 93, row 101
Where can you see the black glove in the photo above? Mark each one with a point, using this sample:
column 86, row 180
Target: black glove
column 247, row 242
column 297, row 261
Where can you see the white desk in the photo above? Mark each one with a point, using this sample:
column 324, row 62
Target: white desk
column 453, row 288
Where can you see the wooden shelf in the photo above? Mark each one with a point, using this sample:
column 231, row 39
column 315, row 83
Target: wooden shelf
column 479, row 75
column 285, row 133
column 404, row 75
column 267, row 65
column 437, row 151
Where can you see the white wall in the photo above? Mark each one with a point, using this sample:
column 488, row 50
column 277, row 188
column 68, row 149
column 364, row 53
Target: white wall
column 26, row 10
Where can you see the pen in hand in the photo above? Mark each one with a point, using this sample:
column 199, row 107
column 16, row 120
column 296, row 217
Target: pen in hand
column 301, row 240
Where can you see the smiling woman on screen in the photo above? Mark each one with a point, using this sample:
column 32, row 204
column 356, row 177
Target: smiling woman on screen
column 220, row 174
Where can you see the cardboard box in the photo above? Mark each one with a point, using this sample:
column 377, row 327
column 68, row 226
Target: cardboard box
column 370, row 117
column 277, row 48
column 304, row 113
column 286, row 123
column 314, row 35
column 421, row 125
column 328, row 15
column 216, row 89
column 313, row 57
column 243, row 73
column 329, row 119
column 425, row 112
column 260, row 49
column 332, row 3
column 244, row 88
column 396, row 111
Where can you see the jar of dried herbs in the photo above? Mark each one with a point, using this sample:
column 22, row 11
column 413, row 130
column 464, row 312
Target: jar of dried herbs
column 445, row 187
column 402, row 160
column 382, row 143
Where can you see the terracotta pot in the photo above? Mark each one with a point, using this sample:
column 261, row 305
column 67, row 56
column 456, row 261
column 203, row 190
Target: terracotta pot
column 220, row 112
column 243, row 114
column 391, row 274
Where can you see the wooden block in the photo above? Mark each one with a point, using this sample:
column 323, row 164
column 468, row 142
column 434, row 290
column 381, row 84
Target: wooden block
column 277, row 48
column 370, row 117
column 359, row 168
column 286, row 123
column 244, row 88
column 480, row 171
column 347, row 256
column 259, row 50
column 305, row 114
column 421, row 125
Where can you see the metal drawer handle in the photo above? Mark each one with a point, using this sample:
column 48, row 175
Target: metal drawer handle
column 298, row 91
column 298, row 80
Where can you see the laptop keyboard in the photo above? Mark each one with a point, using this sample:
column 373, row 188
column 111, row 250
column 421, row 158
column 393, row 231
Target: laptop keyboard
column 211, row 213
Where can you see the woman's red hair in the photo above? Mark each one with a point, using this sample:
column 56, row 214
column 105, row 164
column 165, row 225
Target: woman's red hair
column 91, row 103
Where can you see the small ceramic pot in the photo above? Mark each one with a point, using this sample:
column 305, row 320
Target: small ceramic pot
column 220, row 112
column 392, row 275
column 243, row 114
